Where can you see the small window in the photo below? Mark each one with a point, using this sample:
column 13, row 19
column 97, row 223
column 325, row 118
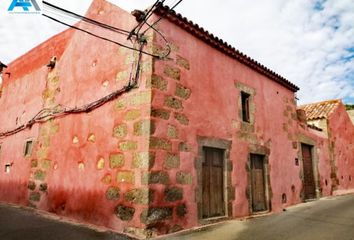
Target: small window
column 7, row 168
column 28, row 148
column 245, row 99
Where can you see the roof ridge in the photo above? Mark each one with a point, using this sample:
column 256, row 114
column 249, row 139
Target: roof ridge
column 322, row 102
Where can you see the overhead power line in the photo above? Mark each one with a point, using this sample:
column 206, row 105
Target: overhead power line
column 158, row 20
column 88, row 20
column 103, row 38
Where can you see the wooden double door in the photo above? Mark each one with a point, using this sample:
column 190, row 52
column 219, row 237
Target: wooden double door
column 213, row 183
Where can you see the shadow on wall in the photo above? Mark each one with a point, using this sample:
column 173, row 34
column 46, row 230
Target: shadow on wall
column 82, row 205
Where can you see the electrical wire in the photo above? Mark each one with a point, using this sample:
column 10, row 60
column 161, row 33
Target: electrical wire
column 150, row 13
column 103, row 38
column 47, row 114
column 89, row 20
column 140, row 24
column 158, row 20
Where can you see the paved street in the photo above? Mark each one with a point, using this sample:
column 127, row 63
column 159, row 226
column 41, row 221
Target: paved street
column 24, row 224
column 326, row 219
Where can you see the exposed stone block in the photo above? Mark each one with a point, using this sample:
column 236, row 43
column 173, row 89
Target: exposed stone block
column 172, row 132
column 125, row 177
column 43, row 187
column 140, row 98
column 122, row 76
column 116, row 160
column 173, row 102
column 182, row 62
column 157, row 82
column 35, row 196
column 160, row 143
column 155, row 177
column 34, row 163
column 107, row 179
column 125, row 213
column 112, row 193
column 144, row 128
column 140, row 233
column 173, row 72
column 81, row 166
column 139, row 196
column 144, row 160
column 181, row 210
column 91, row 138
column 182, row 92
column 120, row 104
column 120, row 131
column 31, row 185
column 100, row 163
column 39, row 175
column 172, row 161
column 158, row 50
column 76, row 140
column 128, row 145
column 46, row 163
column 156, row 214
column 184, row 178
column 173, row 194
column 132, row 115
column 173, row 46
column 181, row 118
column 161, row 113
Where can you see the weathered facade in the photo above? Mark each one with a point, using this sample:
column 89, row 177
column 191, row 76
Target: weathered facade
column 207, row 134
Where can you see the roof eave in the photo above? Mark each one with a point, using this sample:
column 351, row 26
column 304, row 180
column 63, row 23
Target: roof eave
column 222, row 46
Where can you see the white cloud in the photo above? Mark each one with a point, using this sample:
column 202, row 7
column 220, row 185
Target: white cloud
column 308, row 46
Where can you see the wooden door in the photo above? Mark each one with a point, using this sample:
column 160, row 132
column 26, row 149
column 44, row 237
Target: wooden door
column 258, row 183
column 309, row 179
column 213, row 183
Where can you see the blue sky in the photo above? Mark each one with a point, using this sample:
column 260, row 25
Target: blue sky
column 309, row 42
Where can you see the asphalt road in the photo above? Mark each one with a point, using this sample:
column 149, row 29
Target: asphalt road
column 325, row 219
column 24, row 224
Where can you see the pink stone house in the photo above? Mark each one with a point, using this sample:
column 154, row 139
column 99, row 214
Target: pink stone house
column 206, row 134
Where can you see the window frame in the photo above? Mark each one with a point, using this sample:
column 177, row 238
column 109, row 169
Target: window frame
column 27, row 151
column 245, row 106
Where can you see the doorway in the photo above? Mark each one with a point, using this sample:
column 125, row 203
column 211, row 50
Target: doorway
column 213, row 201
column 258, row 186
column 309, row 179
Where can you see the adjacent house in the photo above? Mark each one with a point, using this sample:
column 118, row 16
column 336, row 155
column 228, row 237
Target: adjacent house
column 178, row 131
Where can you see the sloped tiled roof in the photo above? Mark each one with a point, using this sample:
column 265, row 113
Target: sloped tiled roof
column 222, row 46
column 320, row 110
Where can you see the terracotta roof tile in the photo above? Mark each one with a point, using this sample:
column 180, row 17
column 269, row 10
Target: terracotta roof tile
column 320, row 110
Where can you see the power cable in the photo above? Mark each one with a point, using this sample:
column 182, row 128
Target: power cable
column 150, row 13
column 89, row 20
column 140, row 24
column 103, row 38
column 158, row 20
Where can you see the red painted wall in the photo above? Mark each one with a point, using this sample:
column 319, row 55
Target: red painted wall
column 68, row 149
column 341, row 135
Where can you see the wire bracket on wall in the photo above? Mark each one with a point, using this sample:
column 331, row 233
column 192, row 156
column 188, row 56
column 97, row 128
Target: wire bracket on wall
column 139, row 39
